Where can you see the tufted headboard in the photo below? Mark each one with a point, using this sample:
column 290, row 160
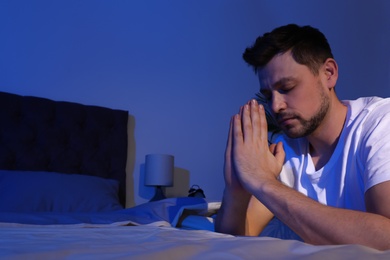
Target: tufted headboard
column 38, row 134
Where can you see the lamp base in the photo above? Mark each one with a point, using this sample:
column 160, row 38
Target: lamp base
column 159, row 194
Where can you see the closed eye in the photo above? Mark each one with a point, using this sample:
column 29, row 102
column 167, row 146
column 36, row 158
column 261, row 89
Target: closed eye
column 285, row 90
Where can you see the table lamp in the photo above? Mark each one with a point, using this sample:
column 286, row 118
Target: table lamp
column 159, row 173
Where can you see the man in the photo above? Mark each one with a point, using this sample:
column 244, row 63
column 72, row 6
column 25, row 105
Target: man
column 327, row 176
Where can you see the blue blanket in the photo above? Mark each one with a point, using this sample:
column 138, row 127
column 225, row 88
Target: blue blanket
column 167, row 210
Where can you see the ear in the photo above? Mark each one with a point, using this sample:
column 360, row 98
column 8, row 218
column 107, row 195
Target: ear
column 331, row 72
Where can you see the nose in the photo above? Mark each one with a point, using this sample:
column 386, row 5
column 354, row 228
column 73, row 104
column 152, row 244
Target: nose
column 277, row 103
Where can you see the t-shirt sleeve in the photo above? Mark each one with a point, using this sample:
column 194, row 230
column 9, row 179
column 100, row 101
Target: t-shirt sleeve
column 375, row 150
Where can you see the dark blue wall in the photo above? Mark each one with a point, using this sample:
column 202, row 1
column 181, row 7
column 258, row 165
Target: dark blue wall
column 176, row 65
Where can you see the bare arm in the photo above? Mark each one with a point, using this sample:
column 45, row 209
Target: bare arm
column 257, row 217
column 314, row 222
column 320, row 224
column 240, row 216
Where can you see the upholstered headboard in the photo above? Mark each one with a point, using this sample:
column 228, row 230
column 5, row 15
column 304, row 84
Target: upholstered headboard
column 38, row 134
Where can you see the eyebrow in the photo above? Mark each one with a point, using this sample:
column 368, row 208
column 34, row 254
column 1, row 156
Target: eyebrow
column 283, row 81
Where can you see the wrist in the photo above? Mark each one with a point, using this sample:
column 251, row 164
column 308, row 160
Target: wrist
column 259, row 185
column 269, row 192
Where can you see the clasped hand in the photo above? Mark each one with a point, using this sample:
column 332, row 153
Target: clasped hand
column 249, row 161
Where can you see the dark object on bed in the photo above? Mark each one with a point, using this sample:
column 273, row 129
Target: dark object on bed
column 196, row 191
column 38, row 134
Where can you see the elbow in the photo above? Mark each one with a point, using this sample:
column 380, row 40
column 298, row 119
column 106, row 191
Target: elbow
column 223, row 226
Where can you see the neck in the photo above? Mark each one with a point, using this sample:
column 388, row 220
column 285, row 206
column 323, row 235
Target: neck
column 324, row 139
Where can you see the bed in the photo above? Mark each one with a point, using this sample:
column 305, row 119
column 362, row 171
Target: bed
column 63, row 192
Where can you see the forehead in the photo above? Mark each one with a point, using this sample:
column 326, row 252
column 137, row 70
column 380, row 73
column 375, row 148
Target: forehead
column 281, row 69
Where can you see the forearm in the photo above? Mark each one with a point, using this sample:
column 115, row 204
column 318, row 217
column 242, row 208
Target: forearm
column 231, row 217
column 320, row 224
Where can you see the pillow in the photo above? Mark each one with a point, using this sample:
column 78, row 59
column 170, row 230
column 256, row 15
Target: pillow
column 29, row 191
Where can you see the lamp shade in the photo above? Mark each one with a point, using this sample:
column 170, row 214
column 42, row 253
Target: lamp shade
column 159, row 170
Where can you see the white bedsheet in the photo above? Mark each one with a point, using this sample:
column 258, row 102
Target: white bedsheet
column 153, row 242
column 156, row 238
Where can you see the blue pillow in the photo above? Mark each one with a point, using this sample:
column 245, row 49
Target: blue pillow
column 29, row 191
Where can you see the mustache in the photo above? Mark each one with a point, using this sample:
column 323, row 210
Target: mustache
column 283, row 115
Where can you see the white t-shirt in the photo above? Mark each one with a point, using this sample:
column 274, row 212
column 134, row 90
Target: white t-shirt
column 361, row 158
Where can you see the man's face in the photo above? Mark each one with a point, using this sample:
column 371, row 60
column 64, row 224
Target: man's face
column 298, row 99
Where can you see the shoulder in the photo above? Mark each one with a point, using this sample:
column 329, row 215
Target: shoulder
column 366, row 106
column 368, row 113
column 367, row 124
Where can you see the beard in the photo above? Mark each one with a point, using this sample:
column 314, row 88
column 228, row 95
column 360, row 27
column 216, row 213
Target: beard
column 308, row 126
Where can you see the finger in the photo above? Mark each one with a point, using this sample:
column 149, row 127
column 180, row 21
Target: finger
column 272, row 148
column 255, row 117
column 228, row 155
column 237, row 135
column 263, row 124
column 279, row 153
column 229, row 139
column 246, row 123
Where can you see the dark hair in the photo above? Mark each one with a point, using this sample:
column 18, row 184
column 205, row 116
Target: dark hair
column 307, row 44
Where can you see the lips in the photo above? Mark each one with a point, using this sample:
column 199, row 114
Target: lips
column 285, row 120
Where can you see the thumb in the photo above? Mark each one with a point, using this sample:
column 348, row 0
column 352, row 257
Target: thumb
column 279, row 153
